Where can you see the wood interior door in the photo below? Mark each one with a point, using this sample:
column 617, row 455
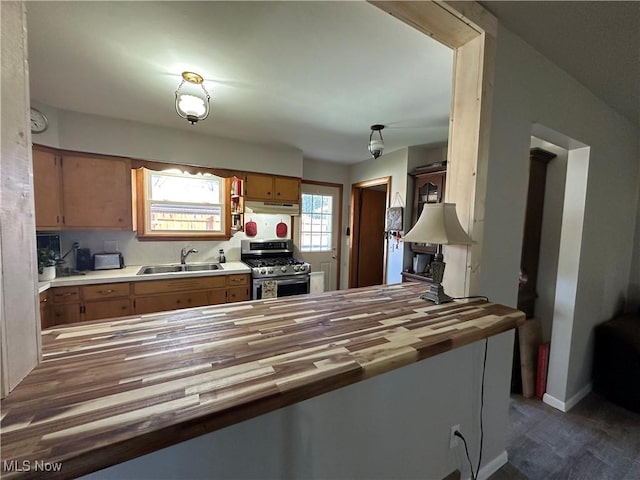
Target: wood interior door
column 370, row 267
column 46, row 190
column 533, row 229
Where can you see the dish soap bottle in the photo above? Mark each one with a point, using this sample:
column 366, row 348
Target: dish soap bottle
column 221, row 257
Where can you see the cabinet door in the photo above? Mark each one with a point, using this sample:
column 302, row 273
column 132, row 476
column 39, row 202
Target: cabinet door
column 66, row 313
column 218, row 296
column 237, row 294
column 172, row 301
column 258, row 187
column 44, row 310
column 429, row 189
column 287, row 189
column 107, row 309
column 96, row 192
column 47, row 190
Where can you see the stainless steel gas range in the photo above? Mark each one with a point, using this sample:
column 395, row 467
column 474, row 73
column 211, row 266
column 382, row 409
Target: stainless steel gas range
column 273, row 266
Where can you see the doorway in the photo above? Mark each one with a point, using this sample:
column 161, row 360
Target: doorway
column 367, row 248
column 318, row 228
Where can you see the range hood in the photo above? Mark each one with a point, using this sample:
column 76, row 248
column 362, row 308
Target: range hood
column 277, row 208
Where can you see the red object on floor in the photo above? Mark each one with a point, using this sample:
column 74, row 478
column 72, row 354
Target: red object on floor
column 543, row 366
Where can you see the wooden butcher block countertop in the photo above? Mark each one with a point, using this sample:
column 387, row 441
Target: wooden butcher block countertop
column 109, row 391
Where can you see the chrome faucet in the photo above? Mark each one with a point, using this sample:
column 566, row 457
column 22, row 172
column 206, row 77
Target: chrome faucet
column 184, row 253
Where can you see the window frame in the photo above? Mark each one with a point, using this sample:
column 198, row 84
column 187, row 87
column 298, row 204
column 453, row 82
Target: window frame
column 302, row 232
column 143, row 210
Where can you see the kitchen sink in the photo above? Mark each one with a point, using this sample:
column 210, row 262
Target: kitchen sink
column 178, row 268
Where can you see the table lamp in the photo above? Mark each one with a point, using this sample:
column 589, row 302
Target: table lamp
column 438, row 224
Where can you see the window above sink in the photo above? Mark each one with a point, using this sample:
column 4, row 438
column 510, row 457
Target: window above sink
column 177, row 205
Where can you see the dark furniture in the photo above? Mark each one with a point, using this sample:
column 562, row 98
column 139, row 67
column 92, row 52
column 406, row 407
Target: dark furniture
column 616, row 363
column 430, row 182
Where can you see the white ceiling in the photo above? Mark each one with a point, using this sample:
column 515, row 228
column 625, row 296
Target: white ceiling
column 312, row 75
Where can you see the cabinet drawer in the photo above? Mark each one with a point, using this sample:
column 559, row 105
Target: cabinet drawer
column 106, row 290
column 237, row 294
column 107, row 309
column 178, row 285
column 238, row 279
column 66, row 294
column 173, row 301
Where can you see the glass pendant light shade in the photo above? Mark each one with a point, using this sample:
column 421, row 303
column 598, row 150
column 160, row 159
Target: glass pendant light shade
column 192, row 99
column 376, row 145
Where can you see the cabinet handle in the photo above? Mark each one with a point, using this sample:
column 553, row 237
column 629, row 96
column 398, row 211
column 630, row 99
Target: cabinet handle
column 268, row 193
column 111, row 290
column 45, row 300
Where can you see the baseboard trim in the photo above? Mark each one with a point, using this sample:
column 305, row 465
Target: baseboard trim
column 493, row 466
column 569, row 404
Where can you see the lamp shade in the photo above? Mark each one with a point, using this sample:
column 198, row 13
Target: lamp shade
column 438, row 223
column 192, row 99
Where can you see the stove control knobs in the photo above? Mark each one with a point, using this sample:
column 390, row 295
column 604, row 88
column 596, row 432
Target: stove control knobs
column 296, row 268
column 270, row 270
column 283, row 269
column 262, row 271
column 303, row 268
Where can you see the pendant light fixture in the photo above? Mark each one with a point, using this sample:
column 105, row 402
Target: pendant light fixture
column 192, row 102
column 376, row 145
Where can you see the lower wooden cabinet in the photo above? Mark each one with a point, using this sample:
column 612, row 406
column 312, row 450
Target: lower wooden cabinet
column 45, row 309
column 172, row 301
column 69, row 313
column 106, row 309
column 110, row 300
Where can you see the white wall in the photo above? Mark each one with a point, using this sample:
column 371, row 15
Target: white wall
column 634, row 278
column 392, row 165
column 395, row 425
column 111, row 136
column 528, row 88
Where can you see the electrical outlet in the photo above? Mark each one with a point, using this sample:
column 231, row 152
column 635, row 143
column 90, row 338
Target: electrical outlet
column 453, row 440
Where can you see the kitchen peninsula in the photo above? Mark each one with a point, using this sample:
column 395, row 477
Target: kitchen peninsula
column 113, row 390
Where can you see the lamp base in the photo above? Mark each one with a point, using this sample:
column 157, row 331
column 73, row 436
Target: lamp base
column 435, row 294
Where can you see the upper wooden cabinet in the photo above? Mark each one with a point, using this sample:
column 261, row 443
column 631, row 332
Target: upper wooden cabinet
column 81, row 192
column 47, row 190
column 269, row 188
column 96, row 192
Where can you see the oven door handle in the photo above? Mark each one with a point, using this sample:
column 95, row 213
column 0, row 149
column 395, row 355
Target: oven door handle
column 289, row 281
